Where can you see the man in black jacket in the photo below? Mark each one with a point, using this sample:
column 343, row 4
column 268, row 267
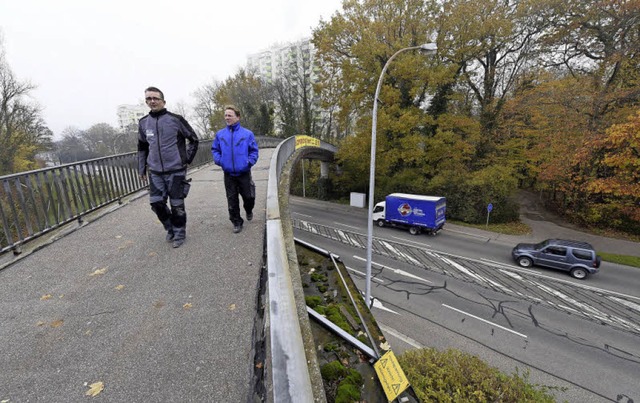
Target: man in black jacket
column 163, row 155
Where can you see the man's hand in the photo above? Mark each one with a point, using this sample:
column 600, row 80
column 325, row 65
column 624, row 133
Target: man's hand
column 143, row 178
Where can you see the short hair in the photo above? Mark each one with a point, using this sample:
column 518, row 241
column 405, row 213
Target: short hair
column 233, row 108
column 155, row 89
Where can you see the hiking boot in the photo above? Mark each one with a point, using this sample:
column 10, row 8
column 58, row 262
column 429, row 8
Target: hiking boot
column 177, row 243
column 237, row 229
column 249, row 216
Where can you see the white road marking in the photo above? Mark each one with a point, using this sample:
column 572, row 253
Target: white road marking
column 345, row 225
column 422, row 245
column 303, row 215
column 590, row 310
column 378, row 304
column 412, row 260
column 398, row 335
column 628, row 304
column 396, row 271
column 377, row 280
column 485, row 321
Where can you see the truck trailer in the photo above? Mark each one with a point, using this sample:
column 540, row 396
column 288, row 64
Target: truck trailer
column 416, row 213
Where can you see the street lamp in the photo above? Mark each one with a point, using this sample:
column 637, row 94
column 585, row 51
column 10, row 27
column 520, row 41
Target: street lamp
column 430, row 48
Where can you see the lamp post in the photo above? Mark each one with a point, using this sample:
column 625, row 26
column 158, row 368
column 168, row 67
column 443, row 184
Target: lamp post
column 430, row 48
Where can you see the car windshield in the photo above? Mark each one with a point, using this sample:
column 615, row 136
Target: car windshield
column 541, row 244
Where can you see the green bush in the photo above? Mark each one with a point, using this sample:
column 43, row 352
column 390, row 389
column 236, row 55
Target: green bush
column 454, row 376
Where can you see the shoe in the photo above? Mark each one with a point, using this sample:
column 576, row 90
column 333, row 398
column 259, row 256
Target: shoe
column 177, row 243
column 169, row 237
column 237, row 229
column 249, row 216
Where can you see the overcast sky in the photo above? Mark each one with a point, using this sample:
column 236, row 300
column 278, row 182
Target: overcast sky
column 88, row 56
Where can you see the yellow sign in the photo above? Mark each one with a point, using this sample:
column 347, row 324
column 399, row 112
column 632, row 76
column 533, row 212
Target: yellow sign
column 305, row 141
column 391, row 375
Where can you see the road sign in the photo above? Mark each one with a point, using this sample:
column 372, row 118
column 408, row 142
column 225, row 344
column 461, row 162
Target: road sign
column 490, row 207
column 391, row 375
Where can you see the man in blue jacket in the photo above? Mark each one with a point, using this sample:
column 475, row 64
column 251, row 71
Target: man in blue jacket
column 164, row 155
column 236, row 151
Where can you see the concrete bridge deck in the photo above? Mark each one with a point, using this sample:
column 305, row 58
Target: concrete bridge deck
column 113, row 302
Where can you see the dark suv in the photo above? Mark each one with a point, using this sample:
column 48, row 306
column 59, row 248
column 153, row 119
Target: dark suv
column 578, row 258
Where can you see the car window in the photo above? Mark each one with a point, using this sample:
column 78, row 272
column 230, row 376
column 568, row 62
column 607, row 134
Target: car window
column 377, row 209
column 556, row 250
column 582, row 254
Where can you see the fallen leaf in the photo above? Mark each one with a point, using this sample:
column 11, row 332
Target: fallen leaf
column 88, row 332
column 259, row 365
column 187, row 305
column 152, row 254
column 45, row 297
column 99, row 272
column 118, row 236
column 41, row 323
column 126, row 245
column 119, row 287
column 232, row 307
column 57, row 323
column 61, row 296
column 95, row 389
column 385, row 346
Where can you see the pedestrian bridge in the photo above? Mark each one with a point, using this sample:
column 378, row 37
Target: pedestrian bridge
column 92, row 297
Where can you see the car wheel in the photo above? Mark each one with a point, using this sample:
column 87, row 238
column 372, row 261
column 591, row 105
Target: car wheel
column 579, row 273
column 414, row 230
column 380, row 223
column 524, row 261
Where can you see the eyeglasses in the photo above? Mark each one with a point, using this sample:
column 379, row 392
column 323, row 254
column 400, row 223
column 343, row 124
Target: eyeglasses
column 149, row 99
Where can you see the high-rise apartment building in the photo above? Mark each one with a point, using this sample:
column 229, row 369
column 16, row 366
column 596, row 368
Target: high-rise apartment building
column 130, row 115
column 280, row 60
column 291, row 65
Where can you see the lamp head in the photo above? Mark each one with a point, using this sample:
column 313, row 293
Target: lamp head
column 429, row 47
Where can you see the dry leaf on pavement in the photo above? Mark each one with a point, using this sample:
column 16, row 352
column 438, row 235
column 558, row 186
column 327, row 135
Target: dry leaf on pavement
column 45, row 297
column 187, row 305
column 95, row 388
column 120, row 287
column 99, row 272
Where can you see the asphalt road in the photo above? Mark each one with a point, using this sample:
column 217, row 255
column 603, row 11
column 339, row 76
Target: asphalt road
column 580, row 335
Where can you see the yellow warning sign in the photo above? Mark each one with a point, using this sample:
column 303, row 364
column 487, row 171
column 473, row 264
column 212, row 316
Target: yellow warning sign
column 304, row 141
column 391, row 375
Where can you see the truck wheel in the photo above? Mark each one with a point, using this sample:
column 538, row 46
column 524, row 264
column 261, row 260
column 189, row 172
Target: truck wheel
column 414, row 230
column 380, row 223
column 579, row 273
column 524, row 261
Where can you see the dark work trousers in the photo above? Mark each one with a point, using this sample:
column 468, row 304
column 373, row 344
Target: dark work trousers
column 239, row 185
column 174, row 187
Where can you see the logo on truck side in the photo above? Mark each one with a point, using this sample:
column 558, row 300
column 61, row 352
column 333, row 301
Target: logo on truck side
column 404, row 209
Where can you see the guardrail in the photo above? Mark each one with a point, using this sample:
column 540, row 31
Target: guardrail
column 35, row 202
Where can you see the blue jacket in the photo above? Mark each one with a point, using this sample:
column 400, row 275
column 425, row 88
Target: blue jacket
column 235, row 149
column 162, row 145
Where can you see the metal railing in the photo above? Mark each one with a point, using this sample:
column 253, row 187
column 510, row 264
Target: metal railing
column 35, row 202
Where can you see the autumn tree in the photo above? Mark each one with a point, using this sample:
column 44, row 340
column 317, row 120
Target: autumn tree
column 246, row 91
column 23, row 132
column 598, row 43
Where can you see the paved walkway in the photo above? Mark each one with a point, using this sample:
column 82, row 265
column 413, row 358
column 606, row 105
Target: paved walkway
column 545, row 225
column 112, row 302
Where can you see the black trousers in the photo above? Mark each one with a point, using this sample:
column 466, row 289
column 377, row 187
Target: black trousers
column 236, row 186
